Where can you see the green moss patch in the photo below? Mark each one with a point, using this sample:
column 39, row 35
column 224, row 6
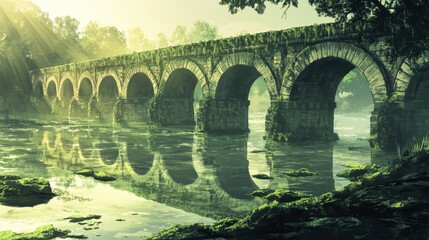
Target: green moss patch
column 79, row 218
column 17, row 191
column 42, row 233
column 302, row 172
column 97, row 175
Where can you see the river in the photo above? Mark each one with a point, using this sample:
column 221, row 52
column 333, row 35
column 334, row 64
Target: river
column 166, row 176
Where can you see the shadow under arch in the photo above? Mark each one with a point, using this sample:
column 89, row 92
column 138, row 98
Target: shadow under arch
column 416, row 105
column 51, row 91
column 108, row 93
column 138, row 94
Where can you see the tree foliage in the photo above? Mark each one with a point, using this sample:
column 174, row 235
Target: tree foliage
column 103, row 41
column 137, row 41
column 405, row 20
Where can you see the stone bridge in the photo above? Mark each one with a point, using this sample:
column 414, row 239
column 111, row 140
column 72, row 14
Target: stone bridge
column 302, row 68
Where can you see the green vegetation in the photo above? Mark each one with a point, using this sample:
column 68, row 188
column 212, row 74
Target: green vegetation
column 388, row 135
column 97, row 175
column 79, row 218
column 29, row 191
column 41, row 233
column 353, row 94
column 388, row 202
column 302, row 172
column 406, row 21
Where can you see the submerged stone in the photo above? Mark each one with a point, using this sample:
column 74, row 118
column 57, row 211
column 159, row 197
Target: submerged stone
column 17, row 191
column 302, row 172
column 262, row 176
column 41, row 233
column 97, row 175
column 86, row 173
column 102, row 176
column 79, row 218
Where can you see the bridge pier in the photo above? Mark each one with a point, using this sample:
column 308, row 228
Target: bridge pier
column 223, row 116
column 137, row 109
column 415, row 120
column 303, row 120
column 172, row 111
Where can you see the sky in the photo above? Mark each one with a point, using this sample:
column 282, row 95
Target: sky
column 155, row 16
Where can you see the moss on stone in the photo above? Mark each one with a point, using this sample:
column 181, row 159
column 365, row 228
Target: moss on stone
column 86, row 172
column 41, row 233
column 103, row 176
column 97, row 175
column 262, row 176
column 283, row 196
column 80, row 218
column 29, row 191
column 302, row 172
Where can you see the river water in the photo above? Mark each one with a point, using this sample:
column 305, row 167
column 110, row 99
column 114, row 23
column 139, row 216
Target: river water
column 166, row 176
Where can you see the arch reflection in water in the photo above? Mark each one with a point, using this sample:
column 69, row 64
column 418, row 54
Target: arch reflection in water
column 108, row 149
column 177, row 158
column 139, row 156
column 228, row 156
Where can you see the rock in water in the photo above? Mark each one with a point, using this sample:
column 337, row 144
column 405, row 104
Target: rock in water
column 17, row 191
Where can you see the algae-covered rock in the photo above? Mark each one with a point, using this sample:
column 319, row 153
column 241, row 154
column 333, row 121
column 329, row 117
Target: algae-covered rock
column 41, row 233
column 102, row 176
column 262, row 192
column 283, row 196
column 97, row 175
column 86, row 173
column 79, row 218
column 262, row 176
column 17, row 191
column 358, row 172
column 302, row 172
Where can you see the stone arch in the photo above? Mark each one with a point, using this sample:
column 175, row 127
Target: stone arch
column 409, row 69
column 51, row 89
column 67, row 76
column 83, row 79
column 115, row 77
column 188, row 65
column 248, row 60
column 349, row 54
column 136, row 70
column 66, row 82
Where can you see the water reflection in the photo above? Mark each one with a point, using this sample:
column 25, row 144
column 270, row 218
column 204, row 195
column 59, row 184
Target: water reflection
column 209, row 175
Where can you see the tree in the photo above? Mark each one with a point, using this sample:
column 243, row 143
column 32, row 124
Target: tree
column 137, row 41
column 405, row 20
column 162, row 40
column 179, row 36
column 67, row 29
column 103, row 41
column 203, row 31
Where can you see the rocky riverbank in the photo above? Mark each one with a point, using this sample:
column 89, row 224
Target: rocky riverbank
column 390, row 202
